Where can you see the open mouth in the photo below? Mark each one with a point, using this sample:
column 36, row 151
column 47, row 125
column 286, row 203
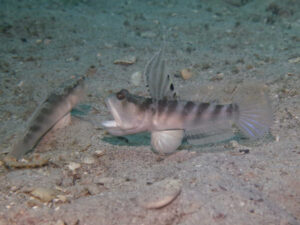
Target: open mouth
column 111, row 123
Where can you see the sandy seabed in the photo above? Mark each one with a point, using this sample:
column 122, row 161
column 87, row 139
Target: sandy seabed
column 93, row 178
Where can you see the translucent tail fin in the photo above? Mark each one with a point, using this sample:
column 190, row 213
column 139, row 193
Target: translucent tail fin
column 255, row 115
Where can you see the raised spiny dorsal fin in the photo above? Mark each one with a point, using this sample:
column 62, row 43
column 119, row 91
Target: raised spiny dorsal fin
column 158, row 82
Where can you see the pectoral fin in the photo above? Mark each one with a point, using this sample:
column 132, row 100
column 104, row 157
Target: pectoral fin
column 166, row 142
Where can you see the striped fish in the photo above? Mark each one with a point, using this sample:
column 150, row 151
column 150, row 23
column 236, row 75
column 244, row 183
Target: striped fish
column 170, row 120
column 54, row 109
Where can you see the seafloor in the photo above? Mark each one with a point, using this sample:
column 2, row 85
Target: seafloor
column 82, row 175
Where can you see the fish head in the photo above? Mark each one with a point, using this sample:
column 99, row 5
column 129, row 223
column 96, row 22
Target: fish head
column 127, row 114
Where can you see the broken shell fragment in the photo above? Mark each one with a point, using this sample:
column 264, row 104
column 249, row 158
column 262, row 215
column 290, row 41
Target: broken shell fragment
column 99, row 153
column 128, row 60
column 43, row 194
column 34, row 161
column 160, row 194
column 89, row 160
column 218, row 76
column 62, row 198
column 148, row 34
column 73, row 166
column 186, row 73
column 136, row 78
column 294, row 60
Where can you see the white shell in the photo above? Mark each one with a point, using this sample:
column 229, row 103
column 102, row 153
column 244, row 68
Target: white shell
column 166, row 142
column 136, row 78
column 160, row 193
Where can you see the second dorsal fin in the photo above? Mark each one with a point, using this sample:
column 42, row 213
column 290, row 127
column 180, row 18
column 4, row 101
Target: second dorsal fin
column 158, row 82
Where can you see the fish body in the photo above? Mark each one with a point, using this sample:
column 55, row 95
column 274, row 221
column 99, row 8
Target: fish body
column 49, row 113
column 135, row 114
column 169, row 120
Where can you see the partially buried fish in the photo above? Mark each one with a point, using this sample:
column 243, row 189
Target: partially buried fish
column 54, row 109
column 170, row 120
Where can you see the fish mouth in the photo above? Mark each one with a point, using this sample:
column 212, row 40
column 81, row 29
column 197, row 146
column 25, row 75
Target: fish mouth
column 112, row 123
column 109, row 124
column 113, row 126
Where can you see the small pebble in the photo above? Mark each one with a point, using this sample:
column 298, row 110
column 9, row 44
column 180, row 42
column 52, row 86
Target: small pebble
column 128, row 60
column 232, row 144
column 34, row 161
column 156, row 21
column 186, row 73
column 89, row 160
column 62, row 198
column 136, row 78
column 20, row 84
column 73, row 166
column 99, row 153
column 60, row 222
column 242, row 150
column 160, row 194
column 219, row 76
column 108, row 45
column 148, row 34
column 38, row 41
column 290, row 74
column 294, row 60
column 43, row 194
column 93, row 189
column 47, row 41
column 103, row 180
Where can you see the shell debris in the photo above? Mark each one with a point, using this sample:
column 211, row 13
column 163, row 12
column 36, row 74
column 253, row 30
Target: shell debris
column 186, row 73
column 35, row 161
column 294, row 60
column 61, row 198
column 73, row 166
column 218, row 76
column 128, row 60
column 43, row 194
column 136, row 78
column 148, row 34
column 99, row 153
column 89, row 160
column 160, row 194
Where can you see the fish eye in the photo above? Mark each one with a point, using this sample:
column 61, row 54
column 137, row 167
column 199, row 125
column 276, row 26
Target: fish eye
column 120, row 95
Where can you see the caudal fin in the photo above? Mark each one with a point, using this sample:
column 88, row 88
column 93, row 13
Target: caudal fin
column 255, row 115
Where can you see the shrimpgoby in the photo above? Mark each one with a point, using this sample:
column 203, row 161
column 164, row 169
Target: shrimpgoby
column 169, row 120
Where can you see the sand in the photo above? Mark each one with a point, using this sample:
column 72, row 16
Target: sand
column 89, row 177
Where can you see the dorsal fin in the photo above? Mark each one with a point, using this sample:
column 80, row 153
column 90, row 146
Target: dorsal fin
column 158, row 82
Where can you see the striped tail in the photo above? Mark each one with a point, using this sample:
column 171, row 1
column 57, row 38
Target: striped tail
column 254, row 117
